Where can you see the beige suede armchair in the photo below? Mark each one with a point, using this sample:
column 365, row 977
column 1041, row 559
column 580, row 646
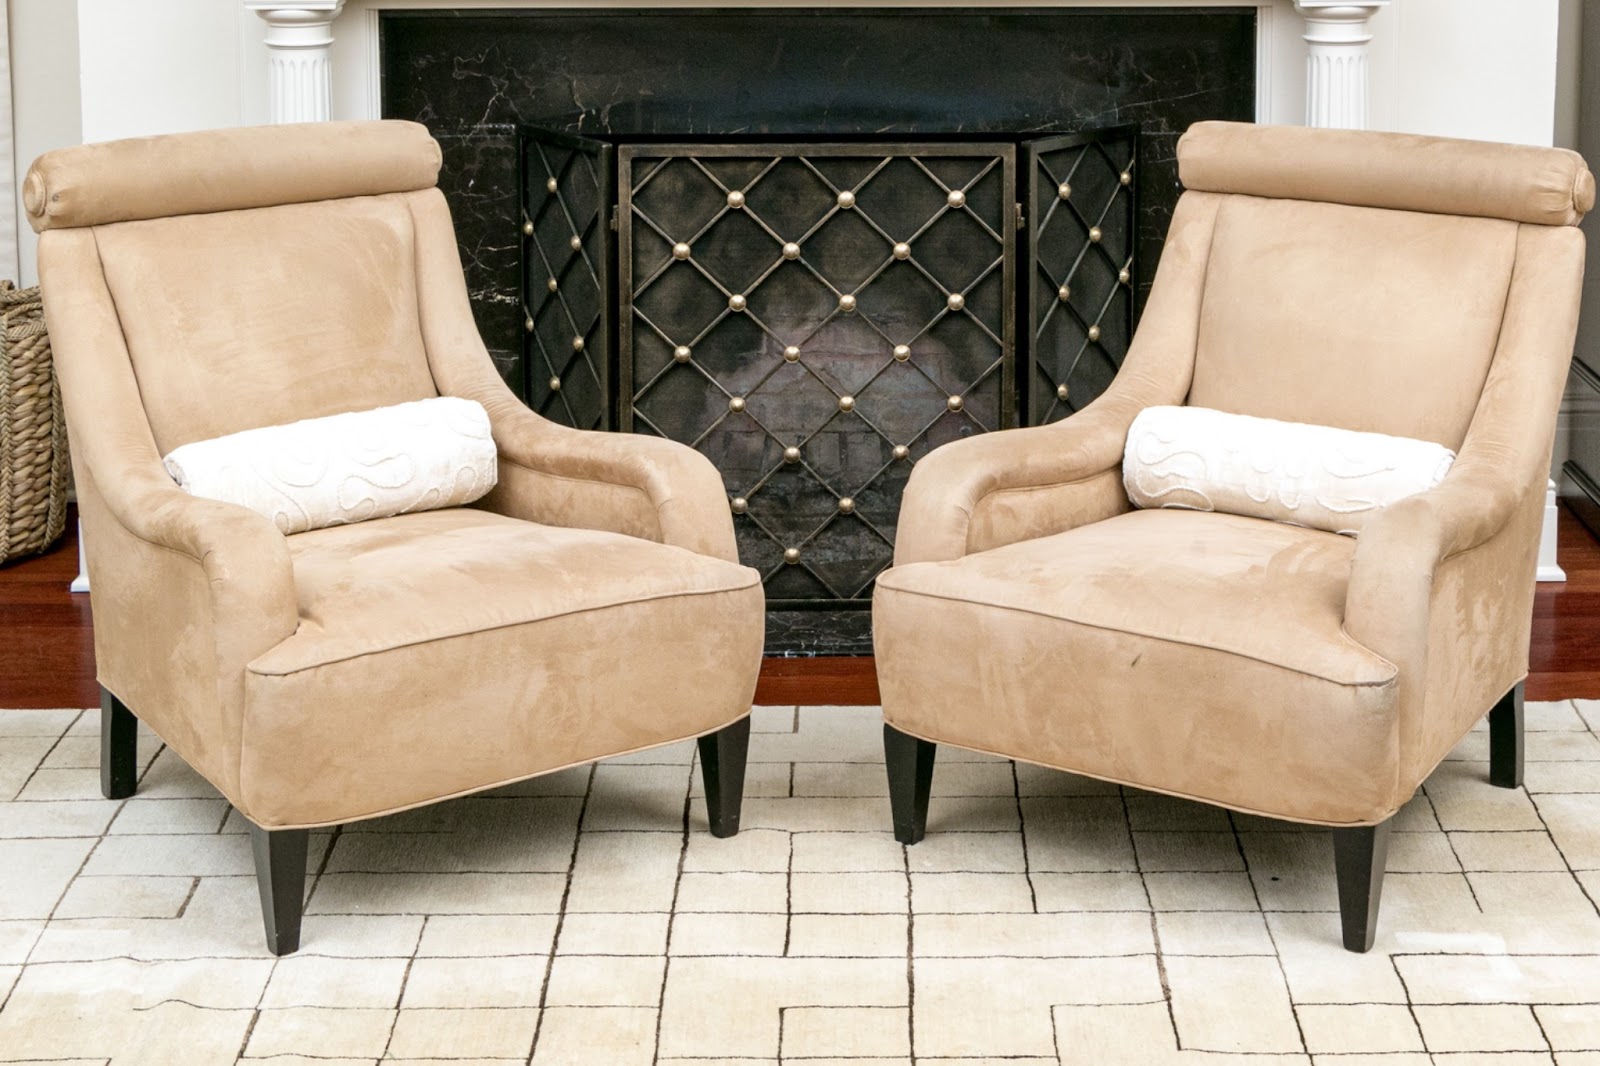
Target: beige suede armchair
column 1407, row 285
column 592, row 604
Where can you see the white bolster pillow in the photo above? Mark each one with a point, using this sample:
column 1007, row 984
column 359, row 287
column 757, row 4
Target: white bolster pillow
column 330, row 471
column 1305, row 475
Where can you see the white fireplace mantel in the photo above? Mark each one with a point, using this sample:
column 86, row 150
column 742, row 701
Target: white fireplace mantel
column 354, row 53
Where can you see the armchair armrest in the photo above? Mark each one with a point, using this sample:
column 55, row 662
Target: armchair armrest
column 1000, row 488
column 641, row 486
column 244, row 559
column 1407, row 541
column 1503, row 459
column 234, row 544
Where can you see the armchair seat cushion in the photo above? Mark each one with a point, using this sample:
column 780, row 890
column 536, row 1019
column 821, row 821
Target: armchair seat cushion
column 451, row 650
column 397, row 582
column 1165, row 649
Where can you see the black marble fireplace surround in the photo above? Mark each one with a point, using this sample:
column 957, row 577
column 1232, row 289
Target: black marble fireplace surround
column 473, row 77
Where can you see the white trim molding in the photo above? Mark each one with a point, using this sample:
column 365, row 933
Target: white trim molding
column 1337, row 35
column 1549, row 569
column 299, row 71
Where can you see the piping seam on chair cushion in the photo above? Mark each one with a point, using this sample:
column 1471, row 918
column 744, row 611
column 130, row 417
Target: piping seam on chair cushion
column 752, row 580
column 1391, row 679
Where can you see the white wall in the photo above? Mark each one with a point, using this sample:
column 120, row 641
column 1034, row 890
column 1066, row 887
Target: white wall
column 159, row 66
column 1484, row 69
column 45, row 103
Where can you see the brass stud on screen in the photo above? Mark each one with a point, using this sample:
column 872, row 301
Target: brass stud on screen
column 847, row 403
column 577, row 344
column 847, row 199
column 956, row 301
column 955, row 403
column 846, row 505
column 527, row 228
column 957, row 198
column 1094, row 333
column 1062, row 392
column 791, row 454
column 552, row 284
column 902, row 251
column 902, row 352
column 791, row 555
column 555, row 384
column 736, row 199
column 551, row 185
column 1095, row 234
column 901, row 451
column 682, row 354
column 791, row 250
column 1124, row 276
column 792, row 354
column 575, row 242
column 680, row 251
column 847, row 302
column 739, row 505
column 1126, row 178
column 1064, row 190
column 1065, row 292
column 737, row 302
column 527, row 323
column 736, row 404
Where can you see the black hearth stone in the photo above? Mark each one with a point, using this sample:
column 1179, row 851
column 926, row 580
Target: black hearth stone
column 808, row 633
column 473, row 75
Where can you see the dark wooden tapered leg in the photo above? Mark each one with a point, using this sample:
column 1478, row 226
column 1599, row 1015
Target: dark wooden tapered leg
column 281, row 876
column 1359, row 857
column 722, row 759
column 1505, row 740
column 119, row 748
column 910, row 763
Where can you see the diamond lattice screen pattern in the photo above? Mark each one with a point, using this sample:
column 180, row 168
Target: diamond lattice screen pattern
column 814, row 320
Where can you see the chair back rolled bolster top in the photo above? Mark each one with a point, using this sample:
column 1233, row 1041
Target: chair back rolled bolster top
column 226, row 170
column 1404, row 172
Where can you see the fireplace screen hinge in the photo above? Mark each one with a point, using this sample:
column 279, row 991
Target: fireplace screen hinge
column 1022, row 223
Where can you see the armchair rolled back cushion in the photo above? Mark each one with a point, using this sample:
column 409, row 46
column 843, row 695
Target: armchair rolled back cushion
column 1360, row 280
column 260, row 276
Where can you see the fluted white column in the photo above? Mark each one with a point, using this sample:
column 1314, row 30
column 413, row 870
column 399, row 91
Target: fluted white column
column 299, row 75
column 1336, row 64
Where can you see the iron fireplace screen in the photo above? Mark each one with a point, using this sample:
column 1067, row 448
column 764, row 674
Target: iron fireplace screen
column 1080, row 188
column 816, row 317
column 567, row 189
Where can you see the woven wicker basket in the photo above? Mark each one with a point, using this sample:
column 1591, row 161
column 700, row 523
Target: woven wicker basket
column 33, row 433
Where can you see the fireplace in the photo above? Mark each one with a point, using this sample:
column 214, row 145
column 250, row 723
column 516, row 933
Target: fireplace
column 814, row 408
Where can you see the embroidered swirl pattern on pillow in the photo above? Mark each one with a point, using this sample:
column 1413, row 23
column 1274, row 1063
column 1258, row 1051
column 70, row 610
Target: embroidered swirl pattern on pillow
column 331, row 471
column 1316, row 476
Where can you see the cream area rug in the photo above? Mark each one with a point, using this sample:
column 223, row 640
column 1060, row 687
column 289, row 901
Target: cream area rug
column 588, row 917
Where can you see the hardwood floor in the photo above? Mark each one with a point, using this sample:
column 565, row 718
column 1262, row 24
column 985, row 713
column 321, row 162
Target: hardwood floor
column 1564, row 659
column 47, row 646
column 46, row 639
